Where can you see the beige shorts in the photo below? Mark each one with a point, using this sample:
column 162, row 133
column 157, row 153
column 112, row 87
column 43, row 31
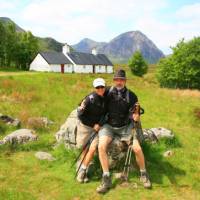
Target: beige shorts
column 83, row 134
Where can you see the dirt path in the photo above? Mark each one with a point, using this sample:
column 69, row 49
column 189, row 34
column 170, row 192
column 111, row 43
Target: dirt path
column 17, row 73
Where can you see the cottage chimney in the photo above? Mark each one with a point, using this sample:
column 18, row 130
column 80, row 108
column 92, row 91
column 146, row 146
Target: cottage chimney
column 94, row 51
column 66, row 49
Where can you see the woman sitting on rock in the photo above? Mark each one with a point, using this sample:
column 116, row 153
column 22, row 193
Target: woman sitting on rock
column 91, row 114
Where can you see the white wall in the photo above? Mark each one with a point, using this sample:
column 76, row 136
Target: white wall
column 109, row 69
column 68, row 68
column 83, row 69
column 100, row 69
column 39, row 64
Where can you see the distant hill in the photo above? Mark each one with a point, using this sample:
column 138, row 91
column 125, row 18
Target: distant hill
column 123, row 46
column 119, row 49
column 49, row 44
column 6, row 20
column 45, row 44
column 86, row 45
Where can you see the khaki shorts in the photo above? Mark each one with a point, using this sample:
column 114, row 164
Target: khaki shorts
column 83, row 134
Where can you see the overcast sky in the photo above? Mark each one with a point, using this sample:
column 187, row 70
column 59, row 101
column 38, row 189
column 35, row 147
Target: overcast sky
column 165, row 22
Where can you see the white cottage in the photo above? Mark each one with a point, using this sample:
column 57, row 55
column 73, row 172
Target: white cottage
column 72, row 62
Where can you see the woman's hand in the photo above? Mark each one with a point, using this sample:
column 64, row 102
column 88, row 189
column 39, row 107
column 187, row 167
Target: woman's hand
column 82, row 106
column 96, row 127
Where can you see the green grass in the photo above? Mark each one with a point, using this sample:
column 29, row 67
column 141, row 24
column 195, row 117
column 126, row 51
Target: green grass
column 53, row 95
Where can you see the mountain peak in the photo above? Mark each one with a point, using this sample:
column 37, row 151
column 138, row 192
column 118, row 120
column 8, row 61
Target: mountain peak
column 122, row 47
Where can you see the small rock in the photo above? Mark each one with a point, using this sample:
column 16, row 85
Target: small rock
column 134, row 185
column 154, row 134
column 20, row 136
column 118, row 175
column 168, row 153
column 44, row 156
column 125, row 184
column 39, row 122
column 162, row 132
column 9, row 120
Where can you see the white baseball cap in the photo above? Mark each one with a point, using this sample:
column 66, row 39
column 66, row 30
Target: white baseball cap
column 99, row 82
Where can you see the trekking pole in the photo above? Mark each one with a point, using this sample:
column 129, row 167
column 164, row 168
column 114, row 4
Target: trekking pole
column 136, row 128
column 86, row 147
column 137, row 124
column 127, row 163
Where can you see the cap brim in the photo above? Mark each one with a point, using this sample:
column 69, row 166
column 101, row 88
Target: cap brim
column 123, row 78
column 103, row 85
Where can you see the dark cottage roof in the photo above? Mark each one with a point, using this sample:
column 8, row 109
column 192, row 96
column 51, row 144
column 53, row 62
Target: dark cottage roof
column 104, row 59
column 55, row 58
column 89, row 59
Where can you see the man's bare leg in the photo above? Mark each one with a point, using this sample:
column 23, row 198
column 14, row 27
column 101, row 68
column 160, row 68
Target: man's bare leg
column 106, row 183
column 144, row 178
column 139, row 154
column 104, row 141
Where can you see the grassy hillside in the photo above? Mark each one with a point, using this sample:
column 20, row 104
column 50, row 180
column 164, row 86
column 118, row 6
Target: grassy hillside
column 28, row 94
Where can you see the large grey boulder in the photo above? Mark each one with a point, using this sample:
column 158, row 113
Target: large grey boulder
column 117, row 149
column 68, row 130
column 20, row 136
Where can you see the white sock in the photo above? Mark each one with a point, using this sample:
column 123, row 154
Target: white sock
column 142, row 170
column 83, row 167
column 106, row 173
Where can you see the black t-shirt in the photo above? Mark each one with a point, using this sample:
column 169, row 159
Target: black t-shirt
column 119, row 103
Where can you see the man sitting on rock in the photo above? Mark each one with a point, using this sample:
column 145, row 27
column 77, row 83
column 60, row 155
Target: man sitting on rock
column 91, row 116
column 120, row 101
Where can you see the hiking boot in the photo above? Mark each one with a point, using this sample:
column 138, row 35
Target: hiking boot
column 144, row 178
column 82, row 176
column 105, row 184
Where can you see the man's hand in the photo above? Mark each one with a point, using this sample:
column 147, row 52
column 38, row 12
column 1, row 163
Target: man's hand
column 96, row 127
column 136, row 114
column 136, row 117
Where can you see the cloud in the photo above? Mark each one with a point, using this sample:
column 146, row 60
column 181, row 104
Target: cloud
column 73, row 20
column 185, row 23
column 101, row 20
column 189, row 12
column 6, row 8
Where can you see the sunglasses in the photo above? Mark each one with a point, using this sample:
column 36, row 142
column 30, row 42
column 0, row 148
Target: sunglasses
column 100, row 87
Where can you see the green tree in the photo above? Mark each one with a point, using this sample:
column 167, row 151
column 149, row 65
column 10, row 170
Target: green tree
column 11, row 41
column 16, row 48
column 2, row 44
column 182, row 68
column 138, row 64
column 27, row 49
